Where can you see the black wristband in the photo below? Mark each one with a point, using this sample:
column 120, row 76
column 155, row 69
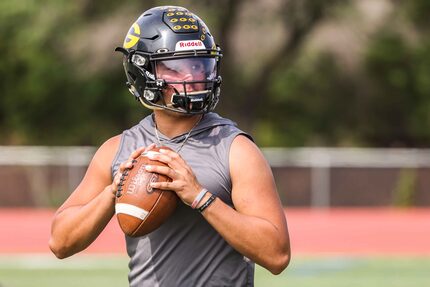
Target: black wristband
column 207, row 203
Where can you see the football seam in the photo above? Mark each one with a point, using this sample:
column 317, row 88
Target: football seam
column 122, row 179
column 149, row 213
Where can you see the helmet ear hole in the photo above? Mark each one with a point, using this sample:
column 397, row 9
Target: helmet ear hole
column 151, row 96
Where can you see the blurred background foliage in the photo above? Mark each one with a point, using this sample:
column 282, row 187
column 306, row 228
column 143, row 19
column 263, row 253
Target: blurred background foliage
column 295, row 72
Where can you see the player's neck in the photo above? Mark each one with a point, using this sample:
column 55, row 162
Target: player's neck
column 172, row 124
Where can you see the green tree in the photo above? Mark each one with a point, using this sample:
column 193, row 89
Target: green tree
column 61, row 82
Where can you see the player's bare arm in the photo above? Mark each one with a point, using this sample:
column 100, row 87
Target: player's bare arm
column 257, row 228
column 87, row 211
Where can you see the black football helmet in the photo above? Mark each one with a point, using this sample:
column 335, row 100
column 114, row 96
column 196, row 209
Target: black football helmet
column 169, row 47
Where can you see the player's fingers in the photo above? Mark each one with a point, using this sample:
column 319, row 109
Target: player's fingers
column 173, row 162
column 158, row 156
column 151, row 146
column 165, row 170
column 132, row 159
column 112, row 188
column 126, row 165
column 164, row 185
column 178, row 163
column 116, row 179
column 172, row 154
column 115, row 183
column 135, row 154
column 138, row 152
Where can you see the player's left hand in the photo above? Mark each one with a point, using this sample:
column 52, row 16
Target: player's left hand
column 184, row 181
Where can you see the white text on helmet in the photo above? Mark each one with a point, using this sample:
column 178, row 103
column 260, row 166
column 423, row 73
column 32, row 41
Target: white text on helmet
column 189, row 44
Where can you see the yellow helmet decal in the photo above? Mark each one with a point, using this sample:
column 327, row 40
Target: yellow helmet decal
column 187, row 21
column 132, row 37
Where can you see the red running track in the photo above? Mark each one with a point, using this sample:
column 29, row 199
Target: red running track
column 361, row 231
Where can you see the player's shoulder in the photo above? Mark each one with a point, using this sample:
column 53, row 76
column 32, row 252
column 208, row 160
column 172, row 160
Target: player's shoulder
column 249, row 168
column 247, row 163
column 107, row 151
column 110, row 145
column 243, row 149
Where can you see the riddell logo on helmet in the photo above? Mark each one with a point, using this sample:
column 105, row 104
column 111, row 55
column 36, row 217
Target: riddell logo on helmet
column 189, row 45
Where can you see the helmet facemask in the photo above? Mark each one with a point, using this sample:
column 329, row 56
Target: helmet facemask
column 189, row 83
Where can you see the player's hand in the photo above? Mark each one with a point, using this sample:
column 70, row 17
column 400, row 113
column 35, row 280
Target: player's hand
column 184, row 181
column 128, row 164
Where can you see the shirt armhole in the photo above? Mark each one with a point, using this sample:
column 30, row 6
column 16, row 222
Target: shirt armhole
column 115, row 159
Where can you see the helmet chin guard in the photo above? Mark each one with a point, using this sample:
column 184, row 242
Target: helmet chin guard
column 171, row 61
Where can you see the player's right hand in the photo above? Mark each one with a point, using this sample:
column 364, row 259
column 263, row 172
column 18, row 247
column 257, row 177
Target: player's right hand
column 128, row 164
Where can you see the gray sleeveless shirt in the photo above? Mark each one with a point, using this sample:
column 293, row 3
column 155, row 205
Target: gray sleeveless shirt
column 186, row 250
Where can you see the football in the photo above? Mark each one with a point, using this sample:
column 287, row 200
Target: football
column 140, row 209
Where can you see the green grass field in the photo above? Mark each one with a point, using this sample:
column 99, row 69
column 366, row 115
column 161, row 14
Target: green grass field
column 109, row 271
